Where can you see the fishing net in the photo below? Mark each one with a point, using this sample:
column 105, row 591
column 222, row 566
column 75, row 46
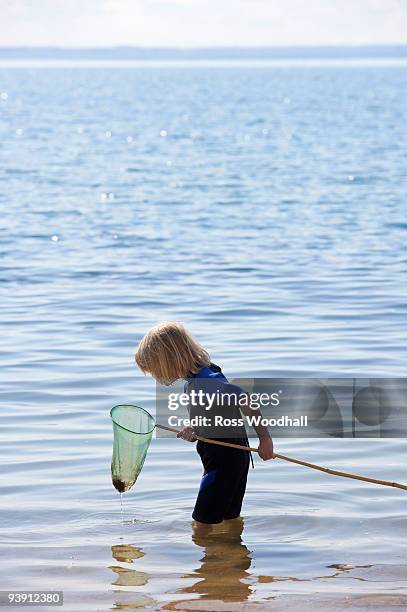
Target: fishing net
column 132, row 430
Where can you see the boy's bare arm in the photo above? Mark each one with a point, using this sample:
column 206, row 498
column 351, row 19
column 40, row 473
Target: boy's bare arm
column 265, row 448
column 187, row 433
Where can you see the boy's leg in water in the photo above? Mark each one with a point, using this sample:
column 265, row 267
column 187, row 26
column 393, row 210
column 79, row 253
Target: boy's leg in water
column 233, row 526
column 201, row 529
column 238, row 520
column 222, row 489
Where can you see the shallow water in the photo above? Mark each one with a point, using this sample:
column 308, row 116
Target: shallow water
column 265, row 208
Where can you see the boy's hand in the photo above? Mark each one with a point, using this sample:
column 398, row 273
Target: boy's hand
column 187, row 434
column 266, row 450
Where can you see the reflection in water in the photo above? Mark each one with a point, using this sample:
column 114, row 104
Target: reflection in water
column 125, row 577
column 126, row 553
column 128, row 577
column 343, row 568
column 225, row 563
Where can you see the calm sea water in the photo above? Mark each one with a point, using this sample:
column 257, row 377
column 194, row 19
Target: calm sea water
column 265, row 208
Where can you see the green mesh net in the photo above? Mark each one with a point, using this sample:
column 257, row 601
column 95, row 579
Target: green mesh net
column 132, row 429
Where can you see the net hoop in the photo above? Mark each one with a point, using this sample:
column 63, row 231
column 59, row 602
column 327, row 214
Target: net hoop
column 139, row 433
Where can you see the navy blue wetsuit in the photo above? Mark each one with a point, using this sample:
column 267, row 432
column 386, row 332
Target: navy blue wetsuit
column 224, row 480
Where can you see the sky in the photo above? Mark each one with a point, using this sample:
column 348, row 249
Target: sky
column 201, row 23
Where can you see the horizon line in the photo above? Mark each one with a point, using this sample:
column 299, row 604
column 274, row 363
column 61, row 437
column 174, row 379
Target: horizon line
column 215, row 54
column 206, row 48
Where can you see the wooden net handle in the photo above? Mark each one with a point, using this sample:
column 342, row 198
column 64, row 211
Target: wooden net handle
column 313, row 466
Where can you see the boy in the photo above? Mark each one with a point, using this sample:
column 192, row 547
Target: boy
column 169, row 352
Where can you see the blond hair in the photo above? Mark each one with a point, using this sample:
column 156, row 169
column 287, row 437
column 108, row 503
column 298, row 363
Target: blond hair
column 168, row 352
